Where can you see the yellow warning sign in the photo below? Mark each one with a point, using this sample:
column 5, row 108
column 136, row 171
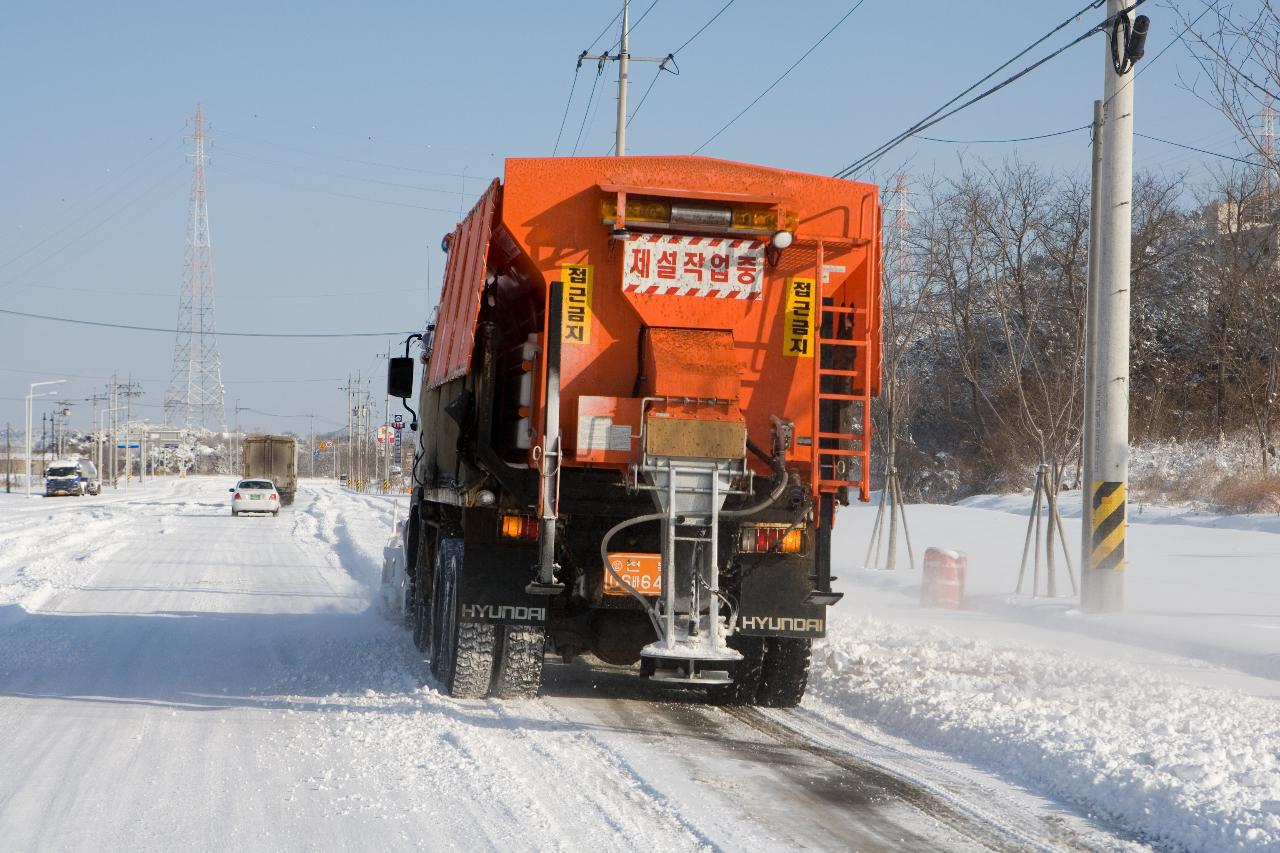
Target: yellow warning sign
column 575, row 322
column 797, row 320
column 1109, row 508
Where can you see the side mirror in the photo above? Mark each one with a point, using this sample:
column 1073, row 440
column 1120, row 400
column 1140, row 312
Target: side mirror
column 232, row 489
column 400, row 378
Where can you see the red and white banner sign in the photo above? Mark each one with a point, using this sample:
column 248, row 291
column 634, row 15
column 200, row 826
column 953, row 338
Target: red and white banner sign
column 676, row 265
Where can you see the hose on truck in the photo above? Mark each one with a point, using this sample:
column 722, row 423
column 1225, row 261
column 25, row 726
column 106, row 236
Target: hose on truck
column 650, row 610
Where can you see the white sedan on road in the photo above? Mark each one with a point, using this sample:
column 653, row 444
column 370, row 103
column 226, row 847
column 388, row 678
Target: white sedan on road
column 255, row 496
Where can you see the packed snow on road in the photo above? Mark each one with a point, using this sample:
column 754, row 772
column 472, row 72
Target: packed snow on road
column 171, row 676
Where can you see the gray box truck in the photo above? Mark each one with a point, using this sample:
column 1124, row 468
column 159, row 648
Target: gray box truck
column 274, row 458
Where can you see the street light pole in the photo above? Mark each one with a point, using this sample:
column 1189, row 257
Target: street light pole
column 31, row 394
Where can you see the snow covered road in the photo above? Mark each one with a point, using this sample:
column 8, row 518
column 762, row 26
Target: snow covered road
column 171, row 677
column 174, row 678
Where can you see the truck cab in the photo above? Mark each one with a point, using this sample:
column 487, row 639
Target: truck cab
column 71, row 477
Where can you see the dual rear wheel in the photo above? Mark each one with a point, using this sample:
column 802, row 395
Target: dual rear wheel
column 470, row 660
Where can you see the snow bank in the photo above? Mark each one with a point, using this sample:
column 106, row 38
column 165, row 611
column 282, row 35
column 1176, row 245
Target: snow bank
column 1182, row 766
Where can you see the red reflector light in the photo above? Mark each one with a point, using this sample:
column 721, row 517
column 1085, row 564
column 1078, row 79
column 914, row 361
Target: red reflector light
column 519, row 527
column 777, row 538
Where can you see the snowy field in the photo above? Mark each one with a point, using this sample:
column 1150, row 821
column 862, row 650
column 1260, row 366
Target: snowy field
column 172, row 677
column 1163, row 720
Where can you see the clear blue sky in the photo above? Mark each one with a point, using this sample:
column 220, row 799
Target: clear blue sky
column 344, row 135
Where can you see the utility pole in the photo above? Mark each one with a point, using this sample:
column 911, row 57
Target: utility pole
column 624, row 46
column 8, row 460
column 93, row 400
column 131, row 390
column 624, row 60
column 114, row 432
column 350, row 411
column 1088, row 440
column 1103, row 589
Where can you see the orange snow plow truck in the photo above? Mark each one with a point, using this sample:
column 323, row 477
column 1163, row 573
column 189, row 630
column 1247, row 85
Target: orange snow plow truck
column 647, row 386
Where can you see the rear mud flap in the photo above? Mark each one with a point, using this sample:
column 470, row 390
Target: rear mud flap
column 772, row 601
column 491, row 582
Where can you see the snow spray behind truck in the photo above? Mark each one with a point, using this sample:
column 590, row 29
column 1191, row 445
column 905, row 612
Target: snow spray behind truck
column 274, row 458
column 647, row 388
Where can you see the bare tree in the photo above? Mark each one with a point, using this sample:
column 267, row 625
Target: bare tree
column 1243, row 280
column 1237, row 51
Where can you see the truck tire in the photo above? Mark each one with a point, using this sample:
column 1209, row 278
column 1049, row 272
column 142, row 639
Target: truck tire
column 746, row 681
column 785, row 672
column 519, row 662
column 462, row 653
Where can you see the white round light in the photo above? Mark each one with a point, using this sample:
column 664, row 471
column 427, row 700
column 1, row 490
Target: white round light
column 782, row 239
column 484, row 497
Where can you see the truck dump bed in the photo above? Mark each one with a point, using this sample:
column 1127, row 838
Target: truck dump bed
column 682, row 295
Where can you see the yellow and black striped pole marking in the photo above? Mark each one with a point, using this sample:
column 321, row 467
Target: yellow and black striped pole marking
column 1108, row 526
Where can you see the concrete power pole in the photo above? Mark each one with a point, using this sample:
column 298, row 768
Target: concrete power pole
column 624, row 45
column 624, row 60
column 1088, row 439
column 1107, row 413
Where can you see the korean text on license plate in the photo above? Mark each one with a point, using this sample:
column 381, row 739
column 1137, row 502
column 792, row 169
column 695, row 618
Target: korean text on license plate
column 642, row 571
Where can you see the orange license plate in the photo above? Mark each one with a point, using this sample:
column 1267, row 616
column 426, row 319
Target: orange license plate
column 642, row 571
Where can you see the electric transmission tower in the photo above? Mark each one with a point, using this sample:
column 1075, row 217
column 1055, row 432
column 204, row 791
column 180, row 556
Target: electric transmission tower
column 195, row 395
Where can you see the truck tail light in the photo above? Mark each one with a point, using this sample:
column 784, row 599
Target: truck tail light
column 519, row 527
column 779, row 538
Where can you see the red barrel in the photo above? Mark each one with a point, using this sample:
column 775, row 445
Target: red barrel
column 943, row 582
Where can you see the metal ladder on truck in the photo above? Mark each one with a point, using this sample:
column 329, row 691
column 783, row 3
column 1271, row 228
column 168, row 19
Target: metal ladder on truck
column 841, row 408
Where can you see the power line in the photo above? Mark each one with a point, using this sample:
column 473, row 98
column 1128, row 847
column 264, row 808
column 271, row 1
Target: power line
column 274, row 381
column 220, row 334
column 587, row 112
column 375, row 163
column 671, row 58
column 606, row 29
column 1012, row 139
column 167, row 178
column 1077, row 130
column 938, row 114
column 1197, row 150
column 268, row 162
column 150, row 153
column 573, row 85
column 303, row 187
column 1163, row 50
column 222, row 297
column 274, row 415
column 617, row 44
column 577, row 69
column 661, row 68
column 781, row 77
column 690, row 39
